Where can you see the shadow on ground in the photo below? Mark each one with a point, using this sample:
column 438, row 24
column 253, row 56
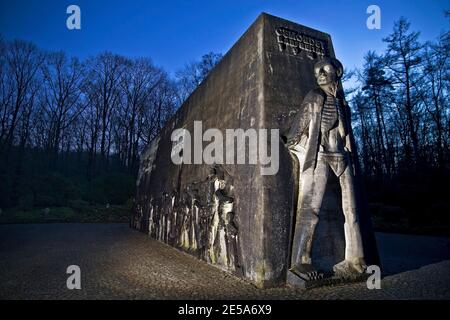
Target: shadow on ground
column 400, row 253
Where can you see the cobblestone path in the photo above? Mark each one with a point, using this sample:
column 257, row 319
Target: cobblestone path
column 119, row 263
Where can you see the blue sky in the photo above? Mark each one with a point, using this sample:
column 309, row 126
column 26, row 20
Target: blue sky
column 173, row 32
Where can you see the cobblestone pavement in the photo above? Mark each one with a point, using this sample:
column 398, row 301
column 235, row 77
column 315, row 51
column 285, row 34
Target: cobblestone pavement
column 119, row 263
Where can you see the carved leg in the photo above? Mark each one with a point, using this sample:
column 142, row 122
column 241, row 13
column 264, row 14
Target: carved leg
column 354, row 255
column 313, row 184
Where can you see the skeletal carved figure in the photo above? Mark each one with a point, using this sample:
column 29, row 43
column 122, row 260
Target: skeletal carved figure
column 223, row 240
column 320, row 139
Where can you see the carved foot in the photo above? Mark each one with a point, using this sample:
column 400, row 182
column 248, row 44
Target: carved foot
column 307, row 272
column 350, row 268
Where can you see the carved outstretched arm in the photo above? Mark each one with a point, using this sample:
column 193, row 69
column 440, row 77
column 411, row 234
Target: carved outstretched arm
column 300, row 125
column 347, row 127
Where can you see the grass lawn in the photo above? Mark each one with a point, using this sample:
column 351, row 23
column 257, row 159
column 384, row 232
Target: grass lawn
column 89, row 213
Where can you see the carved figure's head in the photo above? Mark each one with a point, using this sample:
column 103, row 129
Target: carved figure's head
column 220, row 184
column 327, row 71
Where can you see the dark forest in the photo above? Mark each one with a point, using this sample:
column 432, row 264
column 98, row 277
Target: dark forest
column 72, row 130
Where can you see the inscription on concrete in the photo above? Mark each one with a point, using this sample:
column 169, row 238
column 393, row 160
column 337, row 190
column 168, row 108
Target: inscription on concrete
column 298, row 42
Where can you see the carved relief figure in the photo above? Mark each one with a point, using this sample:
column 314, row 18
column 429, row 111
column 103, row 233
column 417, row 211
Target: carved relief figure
column 320, row 138
column 223, row 237
column 200, row 219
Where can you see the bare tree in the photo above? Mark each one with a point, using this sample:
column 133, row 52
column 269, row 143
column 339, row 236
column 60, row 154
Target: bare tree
column 62, row 78
column 377, row 88
column 193, row 73
column 21, row 62
column 434, row 90
column 403, row 58
column 102, row 88
column 138, row 84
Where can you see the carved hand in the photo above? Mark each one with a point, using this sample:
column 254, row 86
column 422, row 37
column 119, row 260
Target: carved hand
column 348, row 145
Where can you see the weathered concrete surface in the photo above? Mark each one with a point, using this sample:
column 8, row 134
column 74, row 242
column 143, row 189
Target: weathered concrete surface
column 119, row 263
column 259, row 84
column 176, row 203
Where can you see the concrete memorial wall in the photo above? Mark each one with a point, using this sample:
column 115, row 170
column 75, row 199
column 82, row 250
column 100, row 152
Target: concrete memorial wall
column 238, row 212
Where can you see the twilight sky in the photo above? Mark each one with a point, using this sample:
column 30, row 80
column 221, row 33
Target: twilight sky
column 173, row 32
